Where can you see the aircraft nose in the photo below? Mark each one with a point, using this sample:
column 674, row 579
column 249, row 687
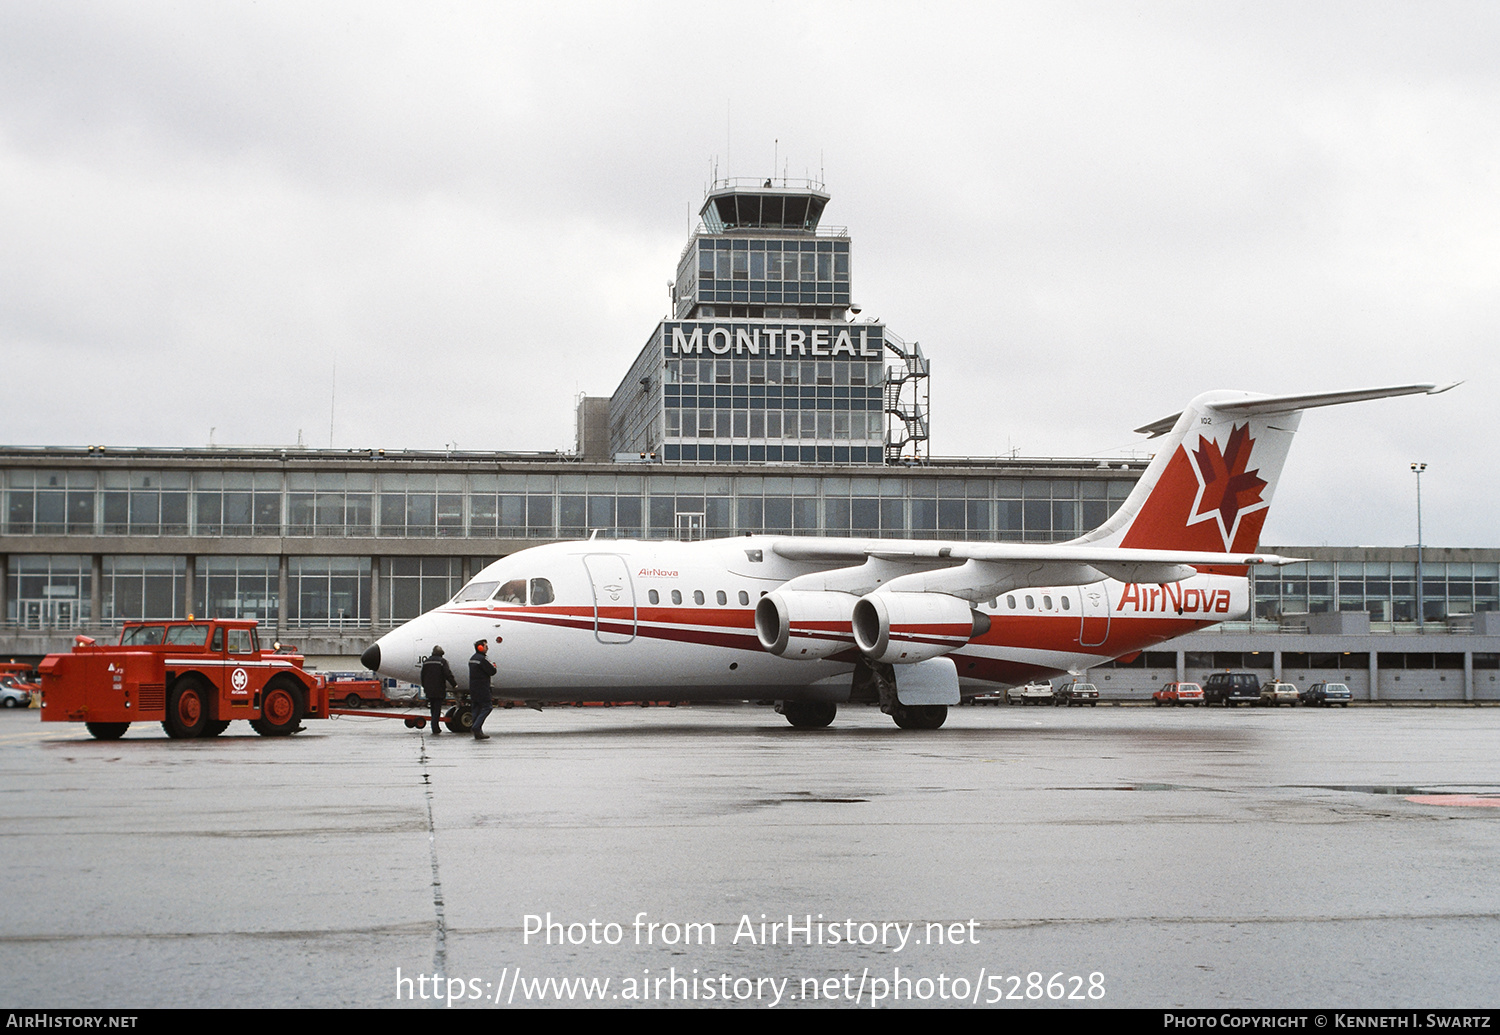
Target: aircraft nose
column 370, row 659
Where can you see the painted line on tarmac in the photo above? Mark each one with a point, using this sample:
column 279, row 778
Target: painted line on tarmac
column 1467, row 800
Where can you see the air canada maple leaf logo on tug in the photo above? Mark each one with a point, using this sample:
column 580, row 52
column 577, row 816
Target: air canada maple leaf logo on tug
column 1227, row 490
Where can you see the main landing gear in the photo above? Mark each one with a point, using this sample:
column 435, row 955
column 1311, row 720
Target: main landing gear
column 809, row 715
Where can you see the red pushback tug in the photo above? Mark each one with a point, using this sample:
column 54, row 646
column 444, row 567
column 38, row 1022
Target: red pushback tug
column 194, row 677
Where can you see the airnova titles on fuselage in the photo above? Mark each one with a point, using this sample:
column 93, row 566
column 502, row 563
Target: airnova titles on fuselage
column 913, row 624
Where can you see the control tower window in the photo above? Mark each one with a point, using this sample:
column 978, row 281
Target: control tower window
column 741, row 265
column 706, row 265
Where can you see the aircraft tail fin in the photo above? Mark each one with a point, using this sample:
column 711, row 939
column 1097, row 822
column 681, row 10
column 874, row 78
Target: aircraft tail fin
column 1210, row 485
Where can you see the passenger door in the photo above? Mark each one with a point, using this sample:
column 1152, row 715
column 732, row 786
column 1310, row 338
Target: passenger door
column 1094, row 623
column 614, row 597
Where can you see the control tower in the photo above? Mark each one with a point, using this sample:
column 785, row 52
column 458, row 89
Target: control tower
column 764, row 359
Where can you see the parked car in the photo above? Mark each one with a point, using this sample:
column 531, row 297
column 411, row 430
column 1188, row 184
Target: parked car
column 1180, row 694
column 1032, row 693
column 1328, row 695
column 1076, row 693
column 1277, row 693
column 13, row 693
column 1231, row 688
column 987, row 697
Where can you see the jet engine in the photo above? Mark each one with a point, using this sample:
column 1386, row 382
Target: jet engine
column 903, row 628
column 804, row 625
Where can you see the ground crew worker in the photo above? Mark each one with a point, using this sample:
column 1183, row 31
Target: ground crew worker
column 480, row 671
column 437, row 677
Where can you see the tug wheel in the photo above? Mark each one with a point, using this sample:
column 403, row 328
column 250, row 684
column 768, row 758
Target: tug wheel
column 187, row 709
column 280, row 712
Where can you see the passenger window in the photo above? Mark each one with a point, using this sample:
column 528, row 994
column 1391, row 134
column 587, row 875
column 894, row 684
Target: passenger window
column 1065, row 605
column 513, row 592
column 1030, row 602
column 697, row 596
column 676, row 596
column 722, row 597
column 1047, row 603
column 654, row 597
column 744, row 597
column 1010, row 602
column 541, row 591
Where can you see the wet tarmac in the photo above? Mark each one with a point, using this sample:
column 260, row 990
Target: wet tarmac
column 1016, row 857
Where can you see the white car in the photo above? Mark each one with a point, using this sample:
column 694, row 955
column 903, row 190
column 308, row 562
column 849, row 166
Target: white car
column 13, row 694
column 1276, row 693
column 1031, row 693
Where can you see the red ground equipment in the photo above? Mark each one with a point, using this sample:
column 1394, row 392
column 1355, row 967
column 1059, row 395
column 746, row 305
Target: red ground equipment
column 194, row 677
column 356, row 693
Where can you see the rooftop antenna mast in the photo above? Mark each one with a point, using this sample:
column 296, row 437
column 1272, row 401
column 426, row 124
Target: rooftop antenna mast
column 333, row 387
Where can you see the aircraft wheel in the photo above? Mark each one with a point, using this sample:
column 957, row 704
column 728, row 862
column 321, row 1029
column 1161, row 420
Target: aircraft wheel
column 919, row 716
column 280, row 711
column 460, row 719
column 107, row 730
column 809, row 715
column 187, row 709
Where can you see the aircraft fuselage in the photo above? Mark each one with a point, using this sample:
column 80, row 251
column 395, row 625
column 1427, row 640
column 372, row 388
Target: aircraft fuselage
column 622, row 619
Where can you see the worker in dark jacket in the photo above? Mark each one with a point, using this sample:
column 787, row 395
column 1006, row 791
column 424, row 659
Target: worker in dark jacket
column 437, row 677
column 480, row 671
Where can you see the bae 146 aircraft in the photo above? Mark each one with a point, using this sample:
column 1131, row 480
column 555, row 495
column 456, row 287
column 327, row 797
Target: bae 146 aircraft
column 913, row 624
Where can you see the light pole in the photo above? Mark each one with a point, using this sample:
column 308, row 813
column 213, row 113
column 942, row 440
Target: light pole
column 1417, row 469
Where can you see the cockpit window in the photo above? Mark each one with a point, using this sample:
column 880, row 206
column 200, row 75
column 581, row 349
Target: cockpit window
column 475, row 591
column 141, row 635
column 188, row 635
column 242, row 641
column 513, row 592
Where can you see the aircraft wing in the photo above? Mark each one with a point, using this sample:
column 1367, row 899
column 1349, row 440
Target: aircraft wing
column 979, row 571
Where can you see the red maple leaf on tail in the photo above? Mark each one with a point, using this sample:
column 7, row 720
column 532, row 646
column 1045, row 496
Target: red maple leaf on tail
column 1227, row 487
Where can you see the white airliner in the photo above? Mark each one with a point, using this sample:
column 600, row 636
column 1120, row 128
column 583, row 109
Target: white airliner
column 915, row 624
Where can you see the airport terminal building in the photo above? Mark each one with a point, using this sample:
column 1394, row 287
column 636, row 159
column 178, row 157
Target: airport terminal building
column 763, row 404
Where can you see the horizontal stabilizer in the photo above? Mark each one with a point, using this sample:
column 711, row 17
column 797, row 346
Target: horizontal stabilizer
column 1290, row 403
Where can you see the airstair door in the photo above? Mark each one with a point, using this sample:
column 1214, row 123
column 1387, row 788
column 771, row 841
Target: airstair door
column 614, row 597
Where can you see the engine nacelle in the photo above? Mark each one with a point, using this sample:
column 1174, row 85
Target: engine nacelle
column 805, row 625
column 903, row 628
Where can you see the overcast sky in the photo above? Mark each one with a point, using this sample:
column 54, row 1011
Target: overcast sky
column 406, row 225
